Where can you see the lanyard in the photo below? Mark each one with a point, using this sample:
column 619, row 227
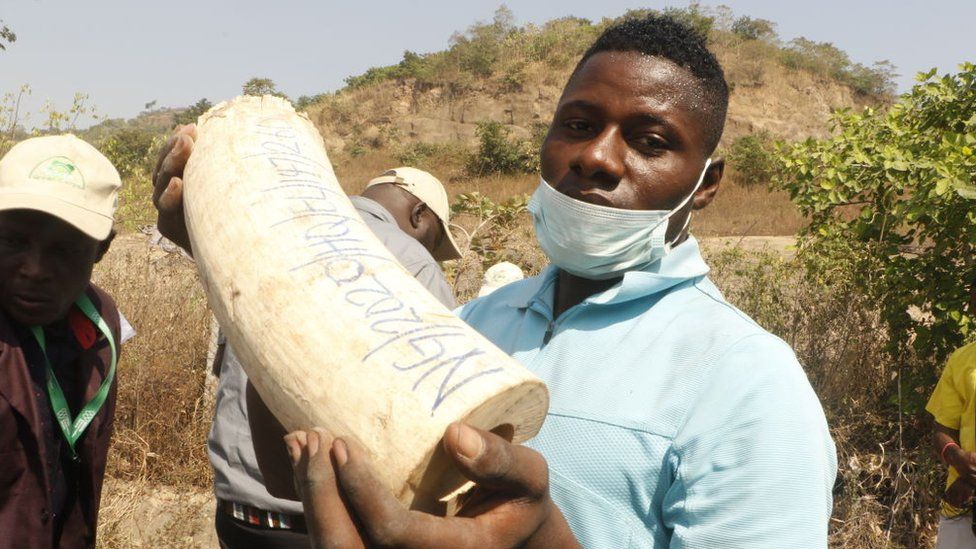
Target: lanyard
column 73, row 430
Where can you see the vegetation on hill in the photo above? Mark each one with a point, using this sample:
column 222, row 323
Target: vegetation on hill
column 497, row 53
column 499, row 73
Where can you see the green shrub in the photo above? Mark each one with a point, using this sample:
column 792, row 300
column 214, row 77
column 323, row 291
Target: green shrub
column 888, row 197
column 749, row 28
column 561, row 41
column 131, row 150
column 827, row 60
column 695, row 16
column 373, row 75
column 753, row 159
column 305, row 101
column 190, row 115
column 499, row 153
column 261, row 86
column 496, row 223
column 431, row 156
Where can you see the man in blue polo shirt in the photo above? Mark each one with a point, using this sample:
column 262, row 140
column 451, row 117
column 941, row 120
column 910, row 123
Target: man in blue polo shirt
column 675, row 420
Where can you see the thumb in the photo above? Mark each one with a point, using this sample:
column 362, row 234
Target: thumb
column 491, row 461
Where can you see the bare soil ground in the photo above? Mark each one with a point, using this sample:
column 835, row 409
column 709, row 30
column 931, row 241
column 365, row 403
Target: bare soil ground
column 143, row 515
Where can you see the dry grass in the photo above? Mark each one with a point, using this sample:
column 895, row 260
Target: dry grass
column 738, row 210
column 162, row 419
column 354, row 172
column 748, row 211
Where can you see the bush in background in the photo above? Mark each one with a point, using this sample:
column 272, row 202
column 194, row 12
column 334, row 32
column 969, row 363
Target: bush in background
column 498, row 152
column 261, row 86
column 752, row 158
column 826, row 59
column 132, row 150
column 695, row 16
column 433, row 157
column 190, row 115
column 888, row 200
column 749, row 28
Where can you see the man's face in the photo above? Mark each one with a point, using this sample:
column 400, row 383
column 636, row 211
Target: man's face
column 430, row 230
column 45, row 264
column 627, row 133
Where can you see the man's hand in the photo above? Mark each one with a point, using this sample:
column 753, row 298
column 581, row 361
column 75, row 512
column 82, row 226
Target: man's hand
column 329, row 523
column 168, row 185
column 960, row 494
column 346, row 505
column 964, row 462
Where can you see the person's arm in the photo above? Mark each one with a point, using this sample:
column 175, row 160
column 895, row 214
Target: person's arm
column 346, row 505
column 266, row 435
column 947, row 404
column 946, row 447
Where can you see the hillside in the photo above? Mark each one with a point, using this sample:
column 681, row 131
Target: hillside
column 426, row 111
column 513, row 75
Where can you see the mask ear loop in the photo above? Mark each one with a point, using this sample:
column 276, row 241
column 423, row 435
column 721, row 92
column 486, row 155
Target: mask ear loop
column 701, row 179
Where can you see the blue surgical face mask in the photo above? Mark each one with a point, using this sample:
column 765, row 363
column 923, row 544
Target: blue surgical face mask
column 599, row 242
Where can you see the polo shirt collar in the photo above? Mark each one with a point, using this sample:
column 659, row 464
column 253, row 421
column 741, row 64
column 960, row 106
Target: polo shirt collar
column 683, row 263
column 372, row 207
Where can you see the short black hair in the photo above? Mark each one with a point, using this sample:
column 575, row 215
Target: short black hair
column 668, row 38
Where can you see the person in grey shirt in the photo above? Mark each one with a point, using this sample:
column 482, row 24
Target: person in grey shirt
column 408, row 210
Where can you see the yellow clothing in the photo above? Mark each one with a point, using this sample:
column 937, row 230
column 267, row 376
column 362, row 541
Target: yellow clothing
column 953, row 403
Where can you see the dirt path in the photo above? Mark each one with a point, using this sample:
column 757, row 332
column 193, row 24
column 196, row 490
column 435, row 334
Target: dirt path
column 782, row 244
column 136, row 514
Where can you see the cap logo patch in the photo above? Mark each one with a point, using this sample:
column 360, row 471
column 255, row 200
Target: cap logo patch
column 61, row 169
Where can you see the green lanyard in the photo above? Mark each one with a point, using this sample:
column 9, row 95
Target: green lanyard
column 74, row 429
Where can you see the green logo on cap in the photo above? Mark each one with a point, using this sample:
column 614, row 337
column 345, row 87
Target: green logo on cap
column 59, row 168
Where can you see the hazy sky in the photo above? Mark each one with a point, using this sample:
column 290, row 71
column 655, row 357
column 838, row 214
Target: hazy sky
column 126, row 53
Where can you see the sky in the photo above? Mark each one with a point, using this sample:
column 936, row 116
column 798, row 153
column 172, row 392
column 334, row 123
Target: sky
column 127, row 53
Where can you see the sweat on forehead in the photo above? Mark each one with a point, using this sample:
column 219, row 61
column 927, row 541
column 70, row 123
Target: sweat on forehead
column 648, row 84
column 666, row 38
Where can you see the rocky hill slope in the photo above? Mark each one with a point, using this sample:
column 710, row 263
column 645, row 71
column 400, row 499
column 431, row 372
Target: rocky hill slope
column 513, row 75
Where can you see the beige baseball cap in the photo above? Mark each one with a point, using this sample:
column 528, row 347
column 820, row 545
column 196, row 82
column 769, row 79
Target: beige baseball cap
column 63, row 176
column 428, row 188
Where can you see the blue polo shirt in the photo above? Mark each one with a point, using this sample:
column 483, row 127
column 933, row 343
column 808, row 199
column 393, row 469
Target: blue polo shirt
column 675, row 420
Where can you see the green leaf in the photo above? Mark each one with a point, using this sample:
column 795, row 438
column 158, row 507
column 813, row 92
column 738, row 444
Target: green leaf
column 966, row 191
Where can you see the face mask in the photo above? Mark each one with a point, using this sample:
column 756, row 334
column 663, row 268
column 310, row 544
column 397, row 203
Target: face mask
column 599, row 242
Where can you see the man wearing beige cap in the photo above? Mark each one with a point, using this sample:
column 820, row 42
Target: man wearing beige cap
column 405, row 207
column 59, row 340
